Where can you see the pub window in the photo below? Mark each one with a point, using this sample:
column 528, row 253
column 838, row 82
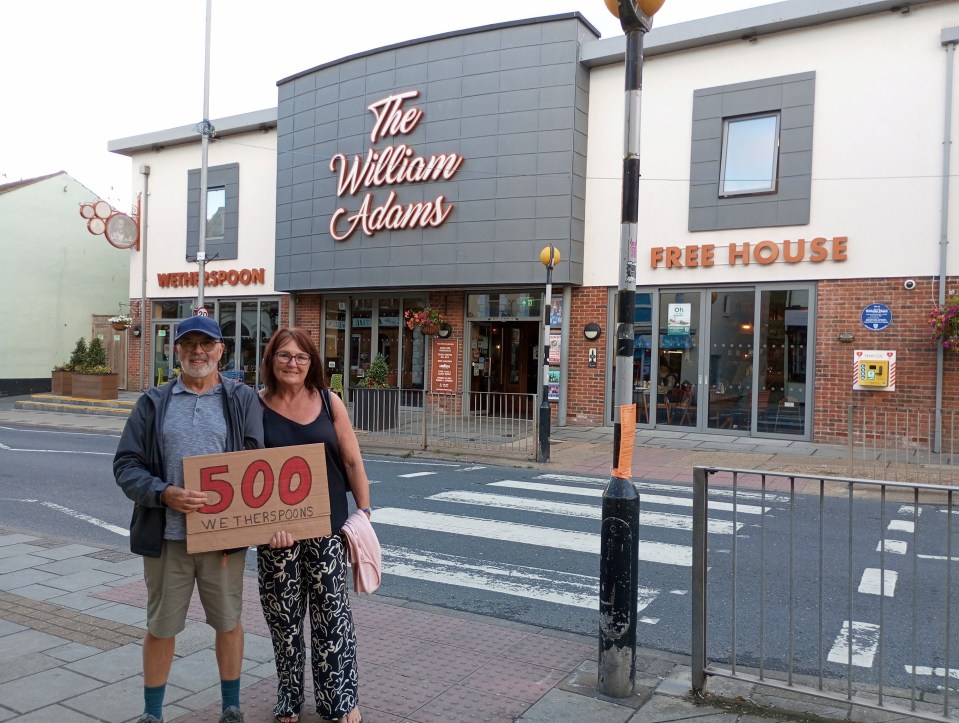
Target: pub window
column 215, row 212
column 750, row 155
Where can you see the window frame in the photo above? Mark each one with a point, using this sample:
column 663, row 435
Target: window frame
column 769, row 188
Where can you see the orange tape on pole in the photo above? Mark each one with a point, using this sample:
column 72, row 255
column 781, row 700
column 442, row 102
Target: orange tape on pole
column 627, row 436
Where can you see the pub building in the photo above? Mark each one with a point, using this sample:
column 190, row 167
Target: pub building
column 793, row 233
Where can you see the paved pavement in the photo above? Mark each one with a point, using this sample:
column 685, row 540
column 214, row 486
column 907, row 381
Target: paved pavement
column 72, row 617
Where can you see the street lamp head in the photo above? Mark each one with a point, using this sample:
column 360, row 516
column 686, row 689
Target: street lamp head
column 647, row 7
column 549, row 256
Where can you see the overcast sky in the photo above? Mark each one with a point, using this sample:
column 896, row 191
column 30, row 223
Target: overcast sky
column 77, row 74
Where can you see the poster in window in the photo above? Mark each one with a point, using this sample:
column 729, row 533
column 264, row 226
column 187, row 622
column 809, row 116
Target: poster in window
column 679, row 319
column 555, row 347
column 553, row 386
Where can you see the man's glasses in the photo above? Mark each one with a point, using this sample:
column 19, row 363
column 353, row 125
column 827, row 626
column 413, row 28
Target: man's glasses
column 284, row 358
column 205, row 344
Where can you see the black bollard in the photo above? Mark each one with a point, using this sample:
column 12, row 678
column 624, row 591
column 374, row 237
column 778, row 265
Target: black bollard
column 618, row 586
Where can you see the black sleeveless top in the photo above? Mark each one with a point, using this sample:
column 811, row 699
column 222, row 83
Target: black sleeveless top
column 278, row 431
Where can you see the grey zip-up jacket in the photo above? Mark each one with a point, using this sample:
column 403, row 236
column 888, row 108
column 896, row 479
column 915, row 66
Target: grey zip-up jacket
column 138, row 463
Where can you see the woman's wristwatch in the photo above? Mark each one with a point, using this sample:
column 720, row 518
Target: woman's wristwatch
column 368, row 511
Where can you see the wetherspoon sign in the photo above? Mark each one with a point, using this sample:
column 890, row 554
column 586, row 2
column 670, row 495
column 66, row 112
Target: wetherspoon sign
column 390, row 166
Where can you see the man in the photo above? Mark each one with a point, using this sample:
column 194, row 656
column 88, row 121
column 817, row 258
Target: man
column 194, row 414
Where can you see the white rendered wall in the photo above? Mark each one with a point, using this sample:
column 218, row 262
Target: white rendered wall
column 167, row 214
column 877, row 150
column 55, row 275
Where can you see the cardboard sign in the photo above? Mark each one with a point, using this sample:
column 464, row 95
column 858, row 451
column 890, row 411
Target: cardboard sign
column 254, row 493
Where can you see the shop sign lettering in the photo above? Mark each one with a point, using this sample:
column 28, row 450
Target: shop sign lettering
column 390, row 166
column 815, row 251
column 225, row 277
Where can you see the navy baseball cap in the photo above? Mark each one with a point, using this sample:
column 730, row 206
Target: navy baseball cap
column 201, row 324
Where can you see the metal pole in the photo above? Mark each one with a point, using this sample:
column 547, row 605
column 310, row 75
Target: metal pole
column 206, row 130
column 144, row 216
column 545, row 413
column 619, row 551
column 700, row 513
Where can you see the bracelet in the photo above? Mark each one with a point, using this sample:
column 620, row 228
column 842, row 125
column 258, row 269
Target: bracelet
column 368, row 511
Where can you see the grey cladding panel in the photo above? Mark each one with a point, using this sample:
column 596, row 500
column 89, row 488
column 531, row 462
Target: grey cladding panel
column 512, row 101
column 226, row 177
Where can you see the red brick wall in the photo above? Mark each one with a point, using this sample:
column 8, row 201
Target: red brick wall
column 840, row 304
column 307, row 314
column 585, row 387
column 133, row 348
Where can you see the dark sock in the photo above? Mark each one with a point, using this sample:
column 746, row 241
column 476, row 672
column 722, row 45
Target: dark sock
column 153, row 700
column 230, row 692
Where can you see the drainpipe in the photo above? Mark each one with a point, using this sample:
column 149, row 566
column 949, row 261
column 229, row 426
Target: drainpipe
column 144, row 222
column 949, row 37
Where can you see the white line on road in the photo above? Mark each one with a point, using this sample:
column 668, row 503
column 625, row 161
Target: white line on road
column 58, row 431
column 938, row 557
column 895, row 547
column 417, row 474
column 938, row 672
column 87, row 518
column 571, row 509
column 654, row 487
column 14, row 499
column 55, row 451
column 648, row 499
column 661, row 552
column 902, row 526
column 416, row 464
column 910, row 510
column 529, row 582
column 471, row 469
column 871, row 577
column 865, row 642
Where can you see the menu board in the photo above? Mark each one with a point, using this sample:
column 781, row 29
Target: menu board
column 443, row 369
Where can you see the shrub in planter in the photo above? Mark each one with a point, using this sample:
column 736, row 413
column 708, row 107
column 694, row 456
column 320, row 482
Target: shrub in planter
column 93, row 379
column 375, row 405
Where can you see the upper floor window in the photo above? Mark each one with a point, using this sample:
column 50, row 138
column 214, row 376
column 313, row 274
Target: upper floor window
column 215, row 212
column 750, row 155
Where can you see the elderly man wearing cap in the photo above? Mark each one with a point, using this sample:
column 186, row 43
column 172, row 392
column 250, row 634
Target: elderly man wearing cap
column 196, row 413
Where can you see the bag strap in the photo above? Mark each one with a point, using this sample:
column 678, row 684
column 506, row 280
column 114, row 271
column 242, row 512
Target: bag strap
column 325, row 393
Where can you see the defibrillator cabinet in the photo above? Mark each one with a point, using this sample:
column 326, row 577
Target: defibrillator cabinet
column 873, row 373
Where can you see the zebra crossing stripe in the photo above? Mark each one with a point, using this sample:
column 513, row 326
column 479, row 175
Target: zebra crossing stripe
column 660, row 487
column 571, row 509
column 865, row 642
column 927, row 670
column 871, row 576
column 643, row 498
column 417, row 474
column 563, row 588
column 657, row 552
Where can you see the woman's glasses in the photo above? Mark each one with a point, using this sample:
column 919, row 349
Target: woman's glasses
column 284, row 358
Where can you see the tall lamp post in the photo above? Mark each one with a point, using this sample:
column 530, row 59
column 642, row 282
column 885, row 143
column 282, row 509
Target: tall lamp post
column 619, row 541
column 549, row 256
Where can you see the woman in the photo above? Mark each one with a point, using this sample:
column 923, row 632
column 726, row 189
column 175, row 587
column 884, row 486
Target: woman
column 296, row 575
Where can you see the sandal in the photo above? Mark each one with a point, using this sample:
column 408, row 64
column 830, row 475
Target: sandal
column 291, row 718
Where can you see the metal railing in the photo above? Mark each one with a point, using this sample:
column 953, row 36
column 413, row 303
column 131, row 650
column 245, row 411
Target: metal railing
column 490, row 421
column 771, row 618
column 891, row 443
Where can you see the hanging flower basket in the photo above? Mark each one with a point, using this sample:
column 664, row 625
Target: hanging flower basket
column 427, row 320
column 944, row 323
column 120, row 322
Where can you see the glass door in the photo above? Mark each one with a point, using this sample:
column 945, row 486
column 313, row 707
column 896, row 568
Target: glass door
column 672, row 397
column 729, row 404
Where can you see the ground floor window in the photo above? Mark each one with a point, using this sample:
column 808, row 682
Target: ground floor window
column 247, row 324
column 725, row 359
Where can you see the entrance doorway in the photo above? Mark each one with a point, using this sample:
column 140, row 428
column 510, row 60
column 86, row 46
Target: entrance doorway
column 726, row 360
column 503, row 366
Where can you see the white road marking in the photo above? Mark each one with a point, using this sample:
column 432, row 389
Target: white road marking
column 659, row 552
column 647, row 499
column 529, row 582
column 658, row 487
column 938, row 557
column 57, row 431
column 902, row 526
column 86, row 518
column 649, row 621
column 417, row 463
column 418, row 474
column 909, row 510
column 679, row 592
column 572, row 509
column 865, row 642
column 871, row 577
column 895, row 547
column 14, row 499
column 471, row 469
column 937, row 672
column 55, row 451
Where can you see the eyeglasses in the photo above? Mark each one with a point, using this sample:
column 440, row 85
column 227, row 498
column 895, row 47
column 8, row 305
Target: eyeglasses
column 205, row 344
column 284, row 358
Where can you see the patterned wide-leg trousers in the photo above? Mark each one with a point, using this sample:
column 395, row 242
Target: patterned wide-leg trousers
column 310, row 575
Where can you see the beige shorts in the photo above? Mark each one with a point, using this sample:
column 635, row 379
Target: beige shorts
column 170, row 579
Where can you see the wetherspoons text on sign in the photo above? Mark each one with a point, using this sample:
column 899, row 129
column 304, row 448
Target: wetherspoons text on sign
column 222, row 277
column 393, row 165
column 254, row 493
column 815, row 251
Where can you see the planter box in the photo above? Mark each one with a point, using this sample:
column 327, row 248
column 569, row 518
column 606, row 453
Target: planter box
column 60, row 383
column 95, row 386
column 375, row 409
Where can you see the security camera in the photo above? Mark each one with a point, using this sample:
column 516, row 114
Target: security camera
column 909, row 284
